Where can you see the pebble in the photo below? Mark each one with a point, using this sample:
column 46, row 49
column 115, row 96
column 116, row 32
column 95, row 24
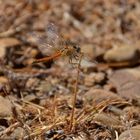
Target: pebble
column 93, row 78
column 7, row 42
column 5, row 107
column 132, row 134
column 127, row 82
column 122, row 53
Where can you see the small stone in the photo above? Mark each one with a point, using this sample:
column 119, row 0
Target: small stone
column 107, row 120
column 94, row 78
column 5, row 107
column 122, row 53
column 30, row 97
column 3, row 80
column 88, row 66
column 132, row 134
column 88, row 50
column 17, row 134
column 127, row 83
column 7, row 42
column 99, row 77
column 102, row 97
column 90, row 79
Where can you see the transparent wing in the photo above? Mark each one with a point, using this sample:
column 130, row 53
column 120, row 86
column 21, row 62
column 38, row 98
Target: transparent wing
column 41, row 42
column 53, row 38
column 49, row 42
column 52, row 35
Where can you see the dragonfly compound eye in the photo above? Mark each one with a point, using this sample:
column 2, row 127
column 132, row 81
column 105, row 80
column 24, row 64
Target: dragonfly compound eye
column 78, row 49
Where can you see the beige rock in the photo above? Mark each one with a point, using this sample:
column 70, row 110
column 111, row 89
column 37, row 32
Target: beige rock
column 122, row 53
column 7, row 42
column 132, row 134
column 88, row 50
column 17, row 134
column 94, row 78
column 102, row 98
column 107, row 120
column 5, row 107
column 127, row 82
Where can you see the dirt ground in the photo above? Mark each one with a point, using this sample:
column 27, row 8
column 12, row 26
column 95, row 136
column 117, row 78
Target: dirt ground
column 88, row 86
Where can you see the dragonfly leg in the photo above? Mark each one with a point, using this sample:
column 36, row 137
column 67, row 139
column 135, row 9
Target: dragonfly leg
column 76, row 57
column 70, row 60
column 73, row 63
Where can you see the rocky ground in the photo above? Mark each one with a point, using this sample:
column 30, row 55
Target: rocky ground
column 56, row 100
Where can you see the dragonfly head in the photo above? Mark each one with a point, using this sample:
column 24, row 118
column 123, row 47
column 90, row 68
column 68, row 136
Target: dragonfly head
column 77, row 48
column 73, row 48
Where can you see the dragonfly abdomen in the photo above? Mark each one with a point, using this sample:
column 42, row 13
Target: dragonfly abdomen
column 49, row 58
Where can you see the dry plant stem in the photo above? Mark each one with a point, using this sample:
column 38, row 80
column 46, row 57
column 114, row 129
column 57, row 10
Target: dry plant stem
column 33, row 105
column 116, row 133
column 41, row 130
column 75, row 95
column 9, row 129
column 46, row 59
column 54, row 109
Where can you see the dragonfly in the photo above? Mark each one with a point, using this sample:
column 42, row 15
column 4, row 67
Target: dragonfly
column 56, row 46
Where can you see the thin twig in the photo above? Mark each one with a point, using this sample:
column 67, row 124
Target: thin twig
column 42, row 129
column 9, row 129
column 75, row 94
column 33, row 104
column 116, row 133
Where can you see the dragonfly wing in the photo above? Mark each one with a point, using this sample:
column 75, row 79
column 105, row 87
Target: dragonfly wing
column 52, row 33
column 53, row 38
column 42, row 43
column 48, row 43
